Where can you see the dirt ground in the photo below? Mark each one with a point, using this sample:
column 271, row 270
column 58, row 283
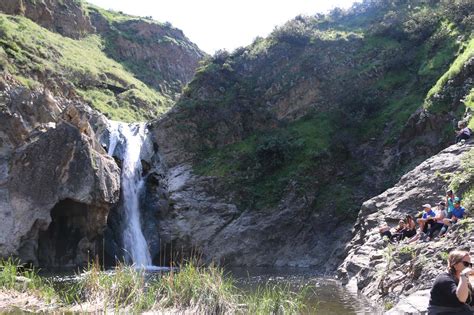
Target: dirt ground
column 13, row 301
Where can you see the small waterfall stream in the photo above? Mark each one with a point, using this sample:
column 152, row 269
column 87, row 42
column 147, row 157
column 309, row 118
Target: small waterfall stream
column 131, row 137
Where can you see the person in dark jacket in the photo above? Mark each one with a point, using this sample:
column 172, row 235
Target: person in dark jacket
column 451, row 293
column 464, row 133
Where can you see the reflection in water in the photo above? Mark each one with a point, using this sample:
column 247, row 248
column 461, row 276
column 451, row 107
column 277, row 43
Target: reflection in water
column 328, row 296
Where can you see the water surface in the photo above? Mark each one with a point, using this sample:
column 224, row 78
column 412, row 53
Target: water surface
column 327, row 296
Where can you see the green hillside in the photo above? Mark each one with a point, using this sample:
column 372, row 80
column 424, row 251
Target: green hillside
column 299, row 104
column 31, row 52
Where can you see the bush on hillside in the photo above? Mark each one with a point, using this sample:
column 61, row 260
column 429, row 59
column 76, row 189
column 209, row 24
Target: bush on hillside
column 272, row 152
column 294, row 32
column 460, row 12
column 421, row 24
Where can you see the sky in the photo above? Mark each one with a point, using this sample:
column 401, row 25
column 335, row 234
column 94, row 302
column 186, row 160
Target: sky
column 222, row 24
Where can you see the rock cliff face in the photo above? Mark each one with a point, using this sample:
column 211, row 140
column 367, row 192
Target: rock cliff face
column 268, row 154
column 57, row 182
column 193, row 220
column 65, row 17
column 128, row 67
column 197, row 215
column 298, row 129
column 158, row 54
column 405, row 273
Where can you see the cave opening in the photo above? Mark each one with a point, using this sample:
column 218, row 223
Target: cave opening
column 65, row 244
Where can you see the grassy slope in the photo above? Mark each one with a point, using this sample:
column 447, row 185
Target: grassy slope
column 417, row 64
column 168, row 36
column 431, row 103
column 27, row 49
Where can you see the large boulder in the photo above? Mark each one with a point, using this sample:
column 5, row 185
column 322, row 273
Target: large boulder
column 57, row 183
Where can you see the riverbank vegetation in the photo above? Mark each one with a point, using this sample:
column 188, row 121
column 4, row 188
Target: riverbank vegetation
column 191, row 288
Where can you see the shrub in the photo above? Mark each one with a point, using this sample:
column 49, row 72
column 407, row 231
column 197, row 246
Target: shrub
column 294, row 32
column 272, row 152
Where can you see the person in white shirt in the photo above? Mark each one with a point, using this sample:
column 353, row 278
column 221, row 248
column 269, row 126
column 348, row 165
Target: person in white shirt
column 438, row 222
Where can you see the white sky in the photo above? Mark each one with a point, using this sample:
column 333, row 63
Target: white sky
column 222, row 24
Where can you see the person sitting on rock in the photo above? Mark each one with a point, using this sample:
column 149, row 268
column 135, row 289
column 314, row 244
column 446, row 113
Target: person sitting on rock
column 450, row 200
column 410, row 227
column 438, row 222
column 463, row 133
column 394, row 234
column 397, row 234
column 451, row 292
column 454, row 217
column 423, row 222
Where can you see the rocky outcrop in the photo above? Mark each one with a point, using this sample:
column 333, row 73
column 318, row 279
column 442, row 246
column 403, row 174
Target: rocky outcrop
column 56, row 181
column 65, row 17
column 158, row 54
column 384, row 272
column 427, row 130
column 194, row 221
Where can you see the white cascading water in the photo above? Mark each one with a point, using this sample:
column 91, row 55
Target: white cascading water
column 132, row 137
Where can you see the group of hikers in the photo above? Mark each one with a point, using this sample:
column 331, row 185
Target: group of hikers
column 451, row 293
column 433, row 223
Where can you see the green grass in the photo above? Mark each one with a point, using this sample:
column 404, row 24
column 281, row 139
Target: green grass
column 16, row 277
column 32, row 49
column 407, row 90
column 464, row 180
column 259, row 167
column 118, row 16
column 455, row 68
column 444, row 44
column 396, row 113
column 276, row 299
column 205, row 290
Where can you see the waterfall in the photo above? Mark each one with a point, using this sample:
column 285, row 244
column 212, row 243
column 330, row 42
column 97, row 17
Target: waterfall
column 131, row 137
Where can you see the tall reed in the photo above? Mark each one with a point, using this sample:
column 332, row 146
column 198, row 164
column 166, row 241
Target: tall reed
column 18, row 277
column 191, row 288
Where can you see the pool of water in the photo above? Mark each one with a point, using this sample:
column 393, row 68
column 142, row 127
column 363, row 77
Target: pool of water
column 327, row 296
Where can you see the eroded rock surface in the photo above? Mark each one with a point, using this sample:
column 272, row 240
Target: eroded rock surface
column 158, row 54
column 399, row 272
column 193, row 220
column 62, row 16
column 50, row 159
